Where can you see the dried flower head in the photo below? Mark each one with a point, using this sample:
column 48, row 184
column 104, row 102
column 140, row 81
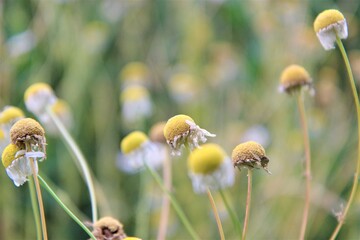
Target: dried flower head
column 136, row 103
column 29, row 131
column 293, row 78
column 329, row 24
column 137, row 150
column 38, row 96
column 156, row 132
column 108, row 228
column 10, row 115
column 250, row 155
column 181, row 130
column 17, row 165
column 134, row 73
column 210, row 167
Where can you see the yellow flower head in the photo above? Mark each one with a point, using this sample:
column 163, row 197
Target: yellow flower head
column 210, row 168
column 133, row 141
column 206, row 159
column 328, row 25
column 134, row 73
column 250, row 155
column 134, row 93
column 293, row 78
column 28, row 130
column 183, row 87
column 38, row 96
column 157, row 132
column 17, row 165
column 9, row 154
column 2, row 134
column 10, row 115
column 181, row 129
column 108, row 228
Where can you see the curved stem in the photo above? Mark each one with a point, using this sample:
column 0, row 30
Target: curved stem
column 174, row 203
column 342, row 217
column 235, row 220
column 304, row 127
column 165, row 211
column 248, row 203
column 39, row 198
column 35, row 208
column 80, row 161
column 216, row 215
column 66, row 209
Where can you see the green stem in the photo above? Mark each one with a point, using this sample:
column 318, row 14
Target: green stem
column 142, row 215
column 174, row 203
column 341, row 218
column 235, row 220
column 66, row 209
column 84, row 168
column 35, row 208
column 216, row 215
column 304, row 127
column 248, row 204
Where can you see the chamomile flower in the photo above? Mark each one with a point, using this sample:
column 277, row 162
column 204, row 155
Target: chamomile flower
column 210, row 168
column 38, row 96
column 17, row 165
column 134, row 73
column 28, row 134
column 136, row 103
column 250, row 155
column 156, row 132
column 294, row 78
column 108, row 228
column 136, row 150
column 181, row 130
column 9, row 116
column 183, row 87
column 62, row 110
column 329, row 24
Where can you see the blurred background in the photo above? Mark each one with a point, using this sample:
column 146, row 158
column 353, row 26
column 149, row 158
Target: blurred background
column 217, row 61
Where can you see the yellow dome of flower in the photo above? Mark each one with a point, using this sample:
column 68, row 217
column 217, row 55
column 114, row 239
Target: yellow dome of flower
column 177, row 126
column 133, row 141
column 8, row 155
column 327, row 18
column 206, row 159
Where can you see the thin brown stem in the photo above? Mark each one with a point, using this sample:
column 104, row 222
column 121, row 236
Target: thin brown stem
column 39, row 197
column 248, row 203
column 216, row 215
column 304, row 127
column 165, row 211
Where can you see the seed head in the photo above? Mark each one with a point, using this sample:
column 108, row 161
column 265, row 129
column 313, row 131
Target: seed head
column 157, row 132
column 27, row 129
column 250, row 155
column 108, row 228
column 329, row 24
column 133, row 141
column 293, row 78
column 11, row 114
